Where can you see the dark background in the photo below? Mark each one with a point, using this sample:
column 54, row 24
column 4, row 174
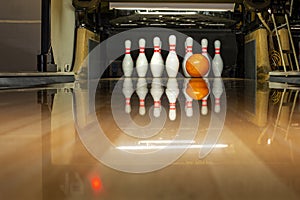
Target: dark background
column 19, row 41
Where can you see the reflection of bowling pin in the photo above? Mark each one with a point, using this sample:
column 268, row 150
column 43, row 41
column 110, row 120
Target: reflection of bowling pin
column 156, row 92
column 188, row 100
column 63, row 132
column 189, row 51
column 204, row 109
column 157, row 62
column 172, row 62
column 142, row 90
column 127, row 64
column 204, row 45
column 217, row 91
column 172, row 92
column 142, row 62
column 217, row 62
column 127, row 92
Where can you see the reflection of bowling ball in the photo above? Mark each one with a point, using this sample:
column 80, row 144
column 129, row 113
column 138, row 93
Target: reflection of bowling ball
column 197, row 65
column 197, row 88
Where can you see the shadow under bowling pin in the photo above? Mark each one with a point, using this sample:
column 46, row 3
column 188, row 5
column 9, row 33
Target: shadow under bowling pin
column 156, row 92
column 142, row 90
column 172, row 93
column 62, row 129
column 204, row 107
column 127, row 92
column 217, row 91
column 188, row 100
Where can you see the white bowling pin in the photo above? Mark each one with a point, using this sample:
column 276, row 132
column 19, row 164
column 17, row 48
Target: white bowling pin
column 142, row 62
column 204, row 108
column 157, row 62
column 127, row 64
column 217, row 91
column 204, row 45
column 189, row 52
column 188, row 100
column 172, row 62
column 217, row 62
column 156, row 92
column 172, row 93
column 127, row 92
column 142, row 90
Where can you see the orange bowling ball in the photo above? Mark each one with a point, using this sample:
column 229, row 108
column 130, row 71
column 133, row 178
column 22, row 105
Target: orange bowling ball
column 197, row 88
column 197, row 65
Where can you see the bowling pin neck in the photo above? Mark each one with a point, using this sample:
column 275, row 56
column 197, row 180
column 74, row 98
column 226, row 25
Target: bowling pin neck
column 189, row 104
column 172, row 47
column 127, row 46
column 142, row 102
column 172, row 106
column 189, row 49
column 142, row 49
column 157, row 104
column 127, row 50
column 127, row 101
column 157, row 49
column 217, row 50
column 204, row 49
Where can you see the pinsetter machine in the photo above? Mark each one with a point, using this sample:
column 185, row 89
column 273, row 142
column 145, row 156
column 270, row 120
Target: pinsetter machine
column 71, row 28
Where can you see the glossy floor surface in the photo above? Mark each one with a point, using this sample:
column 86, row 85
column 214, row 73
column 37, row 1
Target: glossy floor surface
column 74, row 141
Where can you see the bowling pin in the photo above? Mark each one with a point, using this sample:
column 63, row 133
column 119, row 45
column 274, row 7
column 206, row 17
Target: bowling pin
column 217, row 92
column 142, row 62
column 127, row 64
column 127, row 92
column 204, row 108
column 142, row 90
column 204, row 45
column 156, row 92
column 217, row 62
column 157, row 62
column 189, row 52
column 172, row 93
column 172, row 62
column 188, row 108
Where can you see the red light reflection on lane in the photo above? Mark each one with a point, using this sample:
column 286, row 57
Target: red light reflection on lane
column 96, row 183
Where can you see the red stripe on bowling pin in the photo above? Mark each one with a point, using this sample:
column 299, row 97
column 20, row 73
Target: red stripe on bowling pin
column 157, row 49
column 217, row 50
column 172, row 47
column 127, row 101
column 172, row 106
column 127, row 50
column 156, row 104
column 189, row 104
column 142, row 50
column 142, row 103
column 204, row 102
column 204, row 49
column 217, row 101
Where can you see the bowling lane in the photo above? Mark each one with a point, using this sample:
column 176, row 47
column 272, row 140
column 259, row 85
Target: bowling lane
column 121, row 142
